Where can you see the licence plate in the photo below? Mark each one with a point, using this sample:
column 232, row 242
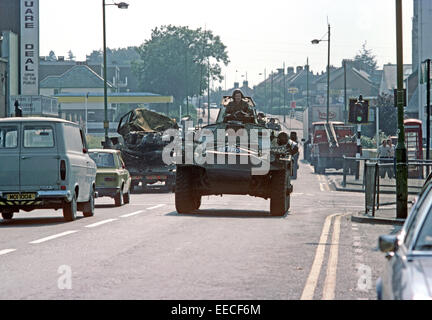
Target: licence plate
column 156, row 177
column 21, row 196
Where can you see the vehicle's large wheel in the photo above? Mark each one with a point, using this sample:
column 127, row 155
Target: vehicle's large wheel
column 185, row 200
column 89, row 207
column 118, row 199
column 70, row 209
column 126, row 197
column 7, row 215
column 279, row 199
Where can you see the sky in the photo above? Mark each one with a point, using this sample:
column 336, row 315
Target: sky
column 260, row 36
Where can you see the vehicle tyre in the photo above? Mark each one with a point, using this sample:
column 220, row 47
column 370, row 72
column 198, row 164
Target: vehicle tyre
column 118, row 199
column 89, row 207
column 126, row 197
column 279, row 200
column 7, row 215
column 185, row 200
column 70, row 209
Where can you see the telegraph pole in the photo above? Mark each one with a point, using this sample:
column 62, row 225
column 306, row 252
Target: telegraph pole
column 401, row 152
column 428, row 112
column 284, row 89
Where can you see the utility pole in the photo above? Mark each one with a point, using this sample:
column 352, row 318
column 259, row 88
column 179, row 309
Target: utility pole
column 428, row 112
column 271, row 94
column 284, row 89
column 401, row 152
column 208, row 92
column 328, row 76
column 307, row 82
column 345, row 92
column 265, row 91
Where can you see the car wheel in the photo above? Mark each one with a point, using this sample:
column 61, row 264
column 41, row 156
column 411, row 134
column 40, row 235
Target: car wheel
column 70, row 209
column 126, row 197
column 185, row 200
column 89, row 207
column 118, row 199
column 279, row 199
column 7, row 215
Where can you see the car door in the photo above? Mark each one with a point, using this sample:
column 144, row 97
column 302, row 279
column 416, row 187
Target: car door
column 123, row 172
column 9, row 156
column 39, row 159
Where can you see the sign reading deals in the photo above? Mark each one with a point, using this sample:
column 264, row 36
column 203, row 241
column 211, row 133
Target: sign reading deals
column 29, row 47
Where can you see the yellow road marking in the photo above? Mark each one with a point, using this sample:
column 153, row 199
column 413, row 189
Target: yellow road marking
column 312, row 280
column 330, row 280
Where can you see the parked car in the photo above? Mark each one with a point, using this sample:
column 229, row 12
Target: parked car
column 45, row 165
column 408, row 271
column 112, row 178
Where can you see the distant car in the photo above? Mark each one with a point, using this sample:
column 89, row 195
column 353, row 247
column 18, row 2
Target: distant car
column 44, row 164
column 408, row 271
column 112, row 179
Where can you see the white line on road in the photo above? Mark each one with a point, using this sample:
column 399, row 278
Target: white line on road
column 330, row 280
column 100, row 223
column 312, row 280
column 158, row 206
column 132, row 214
column 6, row 251
column 53, row 237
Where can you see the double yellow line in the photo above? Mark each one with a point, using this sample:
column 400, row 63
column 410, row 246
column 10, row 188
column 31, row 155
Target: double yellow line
column 330, row 279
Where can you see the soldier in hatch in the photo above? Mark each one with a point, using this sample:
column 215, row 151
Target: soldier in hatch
column 238, row 108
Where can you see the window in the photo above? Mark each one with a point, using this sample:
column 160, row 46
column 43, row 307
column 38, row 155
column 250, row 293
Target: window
column 425, row 205
column 38, row 137
column 424, row 240
column 8, row 138
column 103, row 159
column 73, row 141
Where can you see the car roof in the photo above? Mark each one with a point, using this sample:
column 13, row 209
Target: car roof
column 104, row 150
column 35, row 119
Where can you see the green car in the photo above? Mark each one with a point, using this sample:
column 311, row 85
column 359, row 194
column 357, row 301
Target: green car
column 112, row 178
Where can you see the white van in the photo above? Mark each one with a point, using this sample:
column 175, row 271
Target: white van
column 44, row 164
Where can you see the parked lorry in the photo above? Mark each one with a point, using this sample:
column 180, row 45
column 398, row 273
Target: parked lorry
column 330, row 143
column 141, row 145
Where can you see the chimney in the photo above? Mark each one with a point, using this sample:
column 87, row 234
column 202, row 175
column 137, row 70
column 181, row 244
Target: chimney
column 236, row 85
column 290, row 70
column 61, row 58
column 245, row 83
column 299, row 69
column 280, row 71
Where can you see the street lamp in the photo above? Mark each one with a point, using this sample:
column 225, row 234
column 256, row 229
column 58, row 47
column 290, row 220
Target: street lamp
column 121, row 5
column 316, row 41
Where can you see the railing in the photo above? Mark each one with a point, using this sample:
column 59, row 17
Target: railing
column 373, row 172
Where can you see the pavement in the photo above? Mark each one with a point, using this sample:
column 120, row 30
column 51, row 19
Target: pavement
column 386, row 213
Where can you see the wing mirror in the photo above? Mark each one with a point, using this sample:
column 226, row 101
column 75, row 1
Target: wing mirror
column 388, row 243
column 85, row 150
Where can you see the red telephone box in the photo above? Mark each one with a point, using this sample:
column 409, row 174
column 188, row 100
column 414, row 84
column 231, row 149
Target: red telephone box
column 414, row 145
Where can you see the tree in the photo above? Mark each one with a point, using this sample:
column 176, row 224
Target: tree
column 387, row 114
column 365, row 60
column 52, row 56
column 71, row 55
column 175, row 61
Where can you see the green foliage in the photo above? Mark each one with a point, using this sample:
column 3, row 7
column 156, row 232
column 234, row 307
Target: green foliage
column 387, row 114
column 114, row 56
column 366, row 60
column 174, row 61
column 94, row 142
column 368, row 143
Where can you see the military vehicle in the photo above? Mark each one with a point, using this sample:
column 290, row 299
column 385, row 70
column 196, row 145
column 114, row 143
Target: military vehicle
column 142, row 145
column 238, row 177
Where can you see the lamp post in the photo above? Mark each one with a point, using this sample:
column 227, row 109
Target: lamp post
column 121, row 5
column 316, row 41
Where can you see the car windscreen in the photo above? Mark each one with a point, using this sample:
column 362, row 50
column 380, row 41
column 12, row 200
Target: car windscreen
column 38, row 137
column 8, row 137
column 424, row 239
column 103, row 159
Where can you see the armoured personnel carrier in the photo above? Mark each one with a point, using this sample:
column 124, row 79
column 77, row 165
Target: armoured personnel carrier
column 260, row 165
